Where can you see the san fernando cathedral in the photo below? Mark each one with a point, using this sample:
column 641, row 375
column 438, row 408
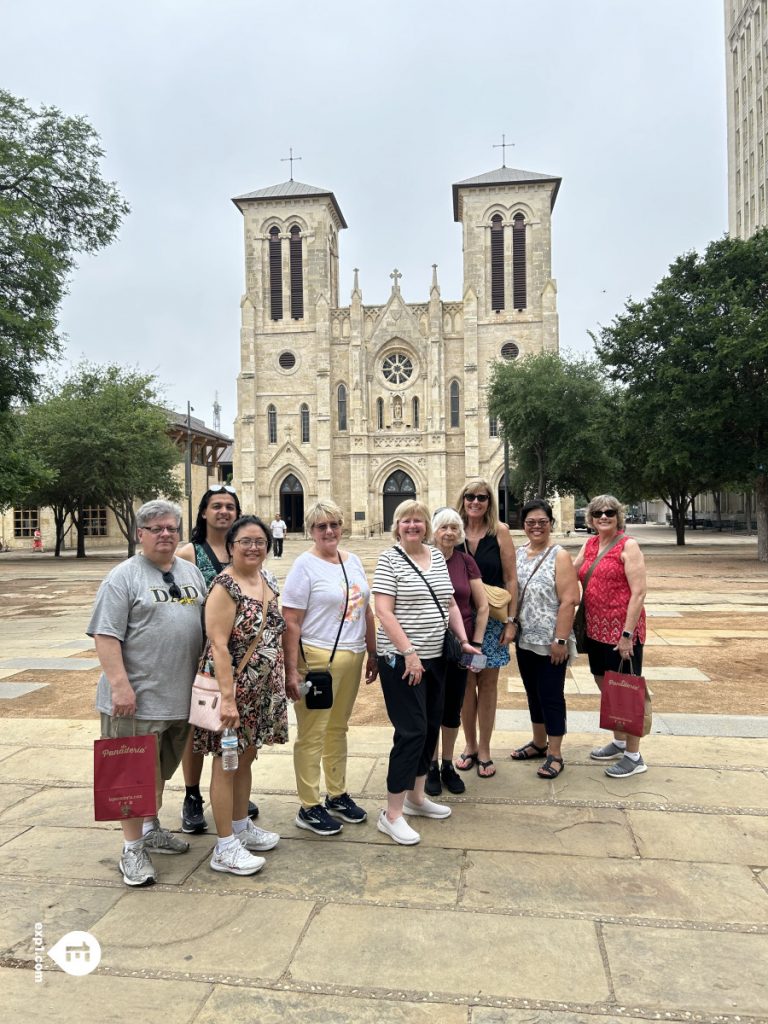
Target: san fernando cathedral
column 374, row 404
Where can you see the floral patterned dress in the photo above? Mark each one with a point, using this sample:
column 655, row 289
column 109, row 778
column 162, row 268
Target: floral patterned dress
column 260, row 687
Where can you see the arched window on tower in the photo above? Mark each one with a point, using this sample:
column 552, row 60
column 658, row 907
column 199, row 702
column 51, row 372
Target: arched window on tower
column 455, row 403
column 297, row 275
column 275, row 274
column 415, row 413
column 380, row 413
column 519, row 288
column 497, row 263
column 342, row 406
column 304, row 416
column 272, row 424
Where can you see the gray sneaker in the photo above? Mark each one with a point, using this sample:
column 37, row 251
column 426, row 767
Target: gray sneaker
column 607, row 753
column 626, row 767
column 160, row 840
column 137, row 868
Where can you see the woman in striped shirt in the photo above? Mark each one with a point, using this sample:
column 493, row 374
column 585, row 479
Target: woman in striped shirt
column 409, row 645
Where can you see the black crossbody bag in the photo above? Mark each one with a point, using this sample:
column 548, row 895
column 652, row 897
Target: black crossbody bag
column 319, row 697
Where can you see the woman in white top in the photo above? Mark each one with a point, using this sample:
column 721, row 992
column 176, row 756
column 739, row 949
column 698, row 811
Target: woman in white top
column 409, row 643
column 326, row 595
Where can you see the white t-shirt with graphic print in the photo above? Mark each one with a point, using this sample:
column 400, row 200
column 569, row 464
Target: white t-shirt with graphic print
column 317, row 588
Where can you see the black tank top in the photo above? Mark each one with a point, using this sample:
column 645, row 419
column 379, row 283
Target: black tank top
column 488, row 558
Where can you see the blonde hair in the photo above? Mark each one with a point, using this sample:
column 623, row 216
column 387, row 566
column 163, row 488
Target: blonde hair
column 324, row 508
column 491, row 517
column 448, row 517
column 605, row 501
column 411, row 507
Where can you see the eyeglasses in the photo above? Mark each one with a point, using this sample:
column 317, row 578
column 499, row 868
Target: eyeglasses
column 477, row 497
column 609, row 513
column 251, row 542
column 160, row 529
column 536, row 522
column 215, row 488
column 326, row 526
column 173, row 586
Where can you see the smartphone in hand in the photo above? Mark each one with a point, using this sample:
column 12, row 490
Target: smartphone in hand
column 474, row 662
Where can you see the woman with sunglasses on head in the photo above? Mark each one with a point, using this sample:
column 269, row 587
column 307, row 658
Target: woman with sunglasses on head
column 613, row 598
column 241, row 608
column 219, row 508
column 549, row 593
column 329, row 626
column 490, row 544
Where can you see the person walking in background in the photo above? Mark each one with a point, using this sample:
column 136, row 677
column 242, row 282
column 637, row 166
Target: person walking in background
column 614, row 598
column 278, row 530
column 329, row 625
column 490, row 544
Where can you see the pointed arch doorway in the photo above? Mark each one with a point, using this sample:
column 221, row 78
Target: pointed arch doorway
column 397, row 487
column 292, row 503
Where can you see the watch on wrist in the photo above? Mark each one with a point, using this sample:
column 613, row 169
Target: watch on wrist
column 626, row 635
column 559, row 641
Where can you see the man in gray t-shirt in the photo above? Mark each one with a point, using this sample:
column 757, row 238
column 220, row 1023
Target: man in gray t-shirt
column 147, row 627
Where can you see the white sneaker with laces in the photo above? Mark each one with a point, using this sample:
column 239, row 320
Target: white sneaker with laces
column 254, row 838
column 236, row 860
column 427, row 809
column 399, row 830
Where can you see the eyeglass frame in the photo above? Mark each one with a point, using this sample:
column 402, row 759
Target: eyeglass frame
column 216, row 488
column 246, row 543
column 330, row 525
column 157, row 531
column 481, row 499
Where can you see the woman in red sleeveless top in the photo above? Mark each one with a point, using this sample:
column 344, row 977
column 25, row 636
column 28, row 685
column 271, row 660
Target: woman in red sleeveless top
column 613, row 602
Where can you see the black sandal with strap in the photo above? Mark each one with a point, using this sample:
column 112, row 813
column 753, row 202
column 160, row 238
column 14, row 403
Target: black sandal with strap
column 521, row 754
column 546, row 771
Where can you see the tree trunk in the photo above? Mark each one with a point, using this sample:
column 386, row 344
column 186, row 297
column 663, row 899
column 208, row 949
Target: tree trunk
column 718, row 510
column 679, row 504
column 761, row 509
column 77, row 516
column 693, row 512
column 59, row 519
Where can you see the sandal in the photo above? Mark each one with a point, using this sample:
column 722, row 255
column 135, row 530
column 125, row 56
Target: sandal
column 470, row 760
column 485, row 765
column 521, row 754
column 546, row 771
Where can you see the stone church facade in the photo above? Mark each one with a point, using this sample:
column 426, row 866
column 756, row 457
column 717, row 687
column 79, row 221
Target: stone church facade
column 373, row 404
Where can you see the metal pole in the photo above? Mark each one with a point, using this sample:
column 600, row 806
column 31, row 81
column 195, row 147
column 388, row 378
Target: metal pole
column 188, row 471
column 506, row 481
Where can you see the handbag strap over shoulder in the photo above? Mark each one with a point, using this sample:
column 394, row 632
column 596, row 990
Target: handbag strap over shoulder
column 252, row 645
column 343, row 614
column 602, row 554
column 535, row 570
column 418, row 572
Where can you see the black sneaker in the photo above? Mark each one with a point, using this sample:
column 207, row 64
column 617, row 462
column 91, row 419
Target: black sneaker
column 253, row 810
column 451, row 779
column 192, row 817
column 317, row 819
column 433, row 786
column 344, row 807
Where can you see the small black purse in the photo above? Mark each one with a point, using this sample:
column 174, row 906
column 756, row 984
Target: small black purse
column 319, row 696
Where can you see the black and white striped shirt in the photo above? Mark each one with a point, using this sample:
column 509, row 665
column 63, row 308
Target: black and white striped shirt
column 415, row 608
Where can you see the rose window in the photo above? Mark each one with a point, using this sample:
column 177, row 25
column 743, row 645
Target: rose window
column 397, row 368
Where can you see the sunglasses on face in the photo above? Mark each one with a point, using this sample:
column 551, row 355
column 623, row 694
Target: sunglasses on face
column 536, row 522
column 215, row 488
column 173, row 586
column 609, row 513
column 326, row 526
column 156, row 530
column 477, row 497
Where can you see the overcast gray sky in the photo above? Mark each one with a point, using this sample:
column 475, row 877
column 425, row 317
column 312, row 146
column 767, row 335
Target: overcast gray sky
column 387, row 103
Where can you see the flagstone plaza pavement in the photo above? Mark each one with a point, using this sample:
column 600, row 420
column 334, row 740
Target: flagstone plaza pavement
column 584, row 899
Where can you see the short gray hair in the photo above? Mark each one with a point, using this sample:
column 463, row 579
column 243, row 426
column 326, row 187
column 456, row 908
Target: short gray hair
column 154, row 509
column 449, row 517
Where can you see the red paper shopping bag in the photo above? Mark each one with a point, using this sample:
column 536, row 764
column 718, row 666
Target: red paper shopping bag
column 124, row 778
column 623, row 704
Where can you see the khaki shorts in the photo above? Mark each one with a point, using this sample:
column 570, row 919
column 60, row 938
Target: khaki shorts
column 171, row 740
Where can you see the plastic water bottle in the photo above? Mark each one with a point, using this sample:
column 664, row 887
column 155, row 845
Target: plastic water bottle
column 229, row 757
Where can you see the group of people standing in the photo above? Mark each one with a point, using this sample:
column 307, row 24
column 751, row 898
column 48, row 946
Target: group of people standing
column 436, row 577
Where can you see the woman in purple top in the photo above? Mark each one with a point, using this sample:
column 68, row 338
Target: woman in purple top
column 469, row 594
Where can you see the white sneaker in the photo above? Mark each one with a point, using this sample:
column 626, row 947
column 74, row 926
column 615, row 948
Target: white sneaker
column 427, row 809
column 254, row 838
column 399, row 830
column 236, row 860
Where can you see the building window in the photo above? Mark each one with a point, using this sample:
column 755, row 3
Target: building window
column 415, row 413
column 454, row 403
column 497, row 263
column 342, row 406
column 272, row 424
column 94, row 519
column 397, row 368
column 509, row 350
column 25, row 521
column 519, row 290
column 275, row 275
column 297, row 275
column 304, row 413
column 286, row 360
column 380, row 413
column 493, row 426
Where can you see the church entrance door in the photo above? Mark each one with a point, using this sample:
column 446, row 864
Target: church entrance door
column 397, row 487
column 292, row 503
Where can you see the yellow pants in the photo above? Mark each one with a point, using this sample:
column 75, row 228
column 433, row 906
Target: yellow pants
column 322, row 735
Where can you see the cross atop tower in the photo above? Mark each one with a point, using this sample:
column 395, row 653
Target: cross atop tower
column 289, row 159
column 396, row 275
column 503, row 146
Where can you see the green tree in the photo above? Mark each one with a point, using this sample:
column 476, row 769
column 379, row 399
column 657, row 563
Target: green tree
column 693, row 362
column 558, row 416
column 54, row 204
column 104, row 438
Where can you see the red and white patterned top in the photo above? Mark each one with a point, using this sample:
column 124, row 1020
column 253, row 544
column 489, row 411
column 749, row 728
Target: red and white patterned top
column 607, row 595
